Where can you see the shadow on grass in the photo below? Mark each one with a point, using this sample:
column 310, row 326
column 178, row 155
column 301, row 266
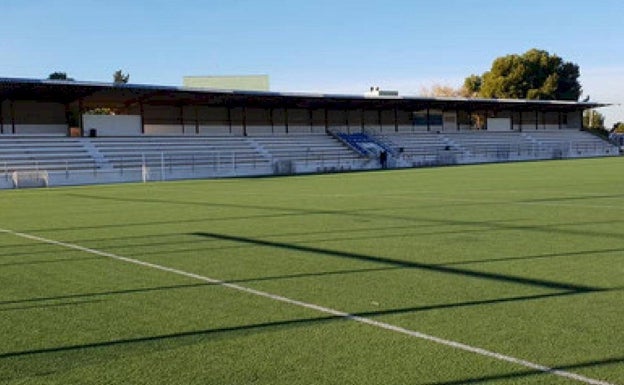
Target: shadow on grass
column 528, row 373
column 366, row 213
column 49, row 305
column 574, row 198
column 172, row 336
column 47, row 261
column 538, row 256
column 103, row 293
column 276, row 325
column 406, row 264
column 240, row 246
column 194, row 285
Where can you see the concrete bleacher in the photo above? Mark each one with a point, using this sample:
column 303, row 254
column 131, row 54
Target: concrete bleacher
column 486, row 146
column 485, row 143
column 304, row 148
column 217, row 151
column 45, row 153
column 422, row 144
column 120, row 159
column 571, row 143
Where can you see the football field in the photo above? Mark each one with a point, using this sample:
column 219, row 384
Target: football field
column 491, row 274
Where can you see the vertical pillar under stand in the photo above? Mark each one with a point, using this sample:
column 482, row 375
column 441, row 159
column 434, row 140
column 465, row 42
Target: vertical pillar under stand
column 196, row 120
column 142, row 114
column 326, row 119
column 396, row 119
column 229, row 118
column 12, row 110
column 244, row 121
column 1, row 117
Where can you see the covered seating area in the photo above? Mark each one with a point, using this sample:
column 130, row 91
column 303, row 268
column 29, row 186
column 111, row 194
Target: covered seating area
column 86, row 132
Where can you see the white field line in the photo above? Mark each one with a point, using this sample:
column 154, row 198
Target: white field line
column 323, row 309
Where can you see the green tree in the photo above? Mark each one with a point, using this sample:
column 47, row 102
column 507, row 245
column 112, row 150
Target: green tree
column 594, row 120
column 472, row 85
column 618, row 127
column 59, row 76
column 120, row 78
column 441, row 90
column 536, row 74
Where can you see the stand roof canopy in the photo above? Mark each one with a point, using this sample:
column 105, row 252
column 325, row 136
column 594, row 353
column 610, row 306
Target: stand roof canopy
column 114, row 95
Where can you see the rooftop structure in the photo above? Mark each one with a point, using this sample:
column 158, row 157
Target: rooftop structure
column 375, row 92
column 235, row 82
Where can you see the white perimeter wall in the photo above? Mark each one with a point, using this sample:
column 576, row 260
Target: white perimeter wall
column 112, row 125
column 499, row 124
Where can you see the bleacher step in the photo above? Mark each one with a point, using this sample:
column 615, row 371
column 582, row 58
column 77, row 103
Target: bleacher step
column 99, row 159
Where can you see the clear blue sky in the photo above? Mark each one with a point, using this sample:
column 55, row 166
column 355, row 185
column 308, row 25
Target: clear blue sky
column 315, row 45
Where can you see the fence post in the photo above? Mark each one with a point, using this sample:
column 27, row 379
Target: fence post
column 143, row 168
column 162, row 166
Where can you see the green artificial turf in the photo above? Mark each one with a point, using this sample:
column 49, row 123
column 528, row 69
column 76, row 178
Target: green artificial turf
column 523, row 259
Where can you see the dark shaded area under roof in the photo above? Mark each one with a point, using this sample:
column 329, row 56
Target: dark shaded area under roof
column 110, row 94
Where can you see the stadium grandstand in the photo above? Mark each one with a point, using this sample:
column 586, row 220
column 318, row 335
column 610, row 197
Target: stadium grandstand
column 73, row 132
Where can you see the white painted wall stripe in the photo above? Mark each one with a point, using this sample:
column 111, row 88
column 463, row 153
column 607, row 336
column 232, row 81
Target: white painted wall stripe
column 323, row 309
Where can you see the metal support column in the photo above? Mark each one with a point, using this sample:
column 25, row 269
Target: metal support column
column 81, row 116
column 181, row 118
column 68, row 119
column 244, row 120
column 142, row 114
column 326, row 119
column 196, row 120
column 396, row 119
column 362, row 120
column 1, row 118
column 229, row 118
column 12, row 111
